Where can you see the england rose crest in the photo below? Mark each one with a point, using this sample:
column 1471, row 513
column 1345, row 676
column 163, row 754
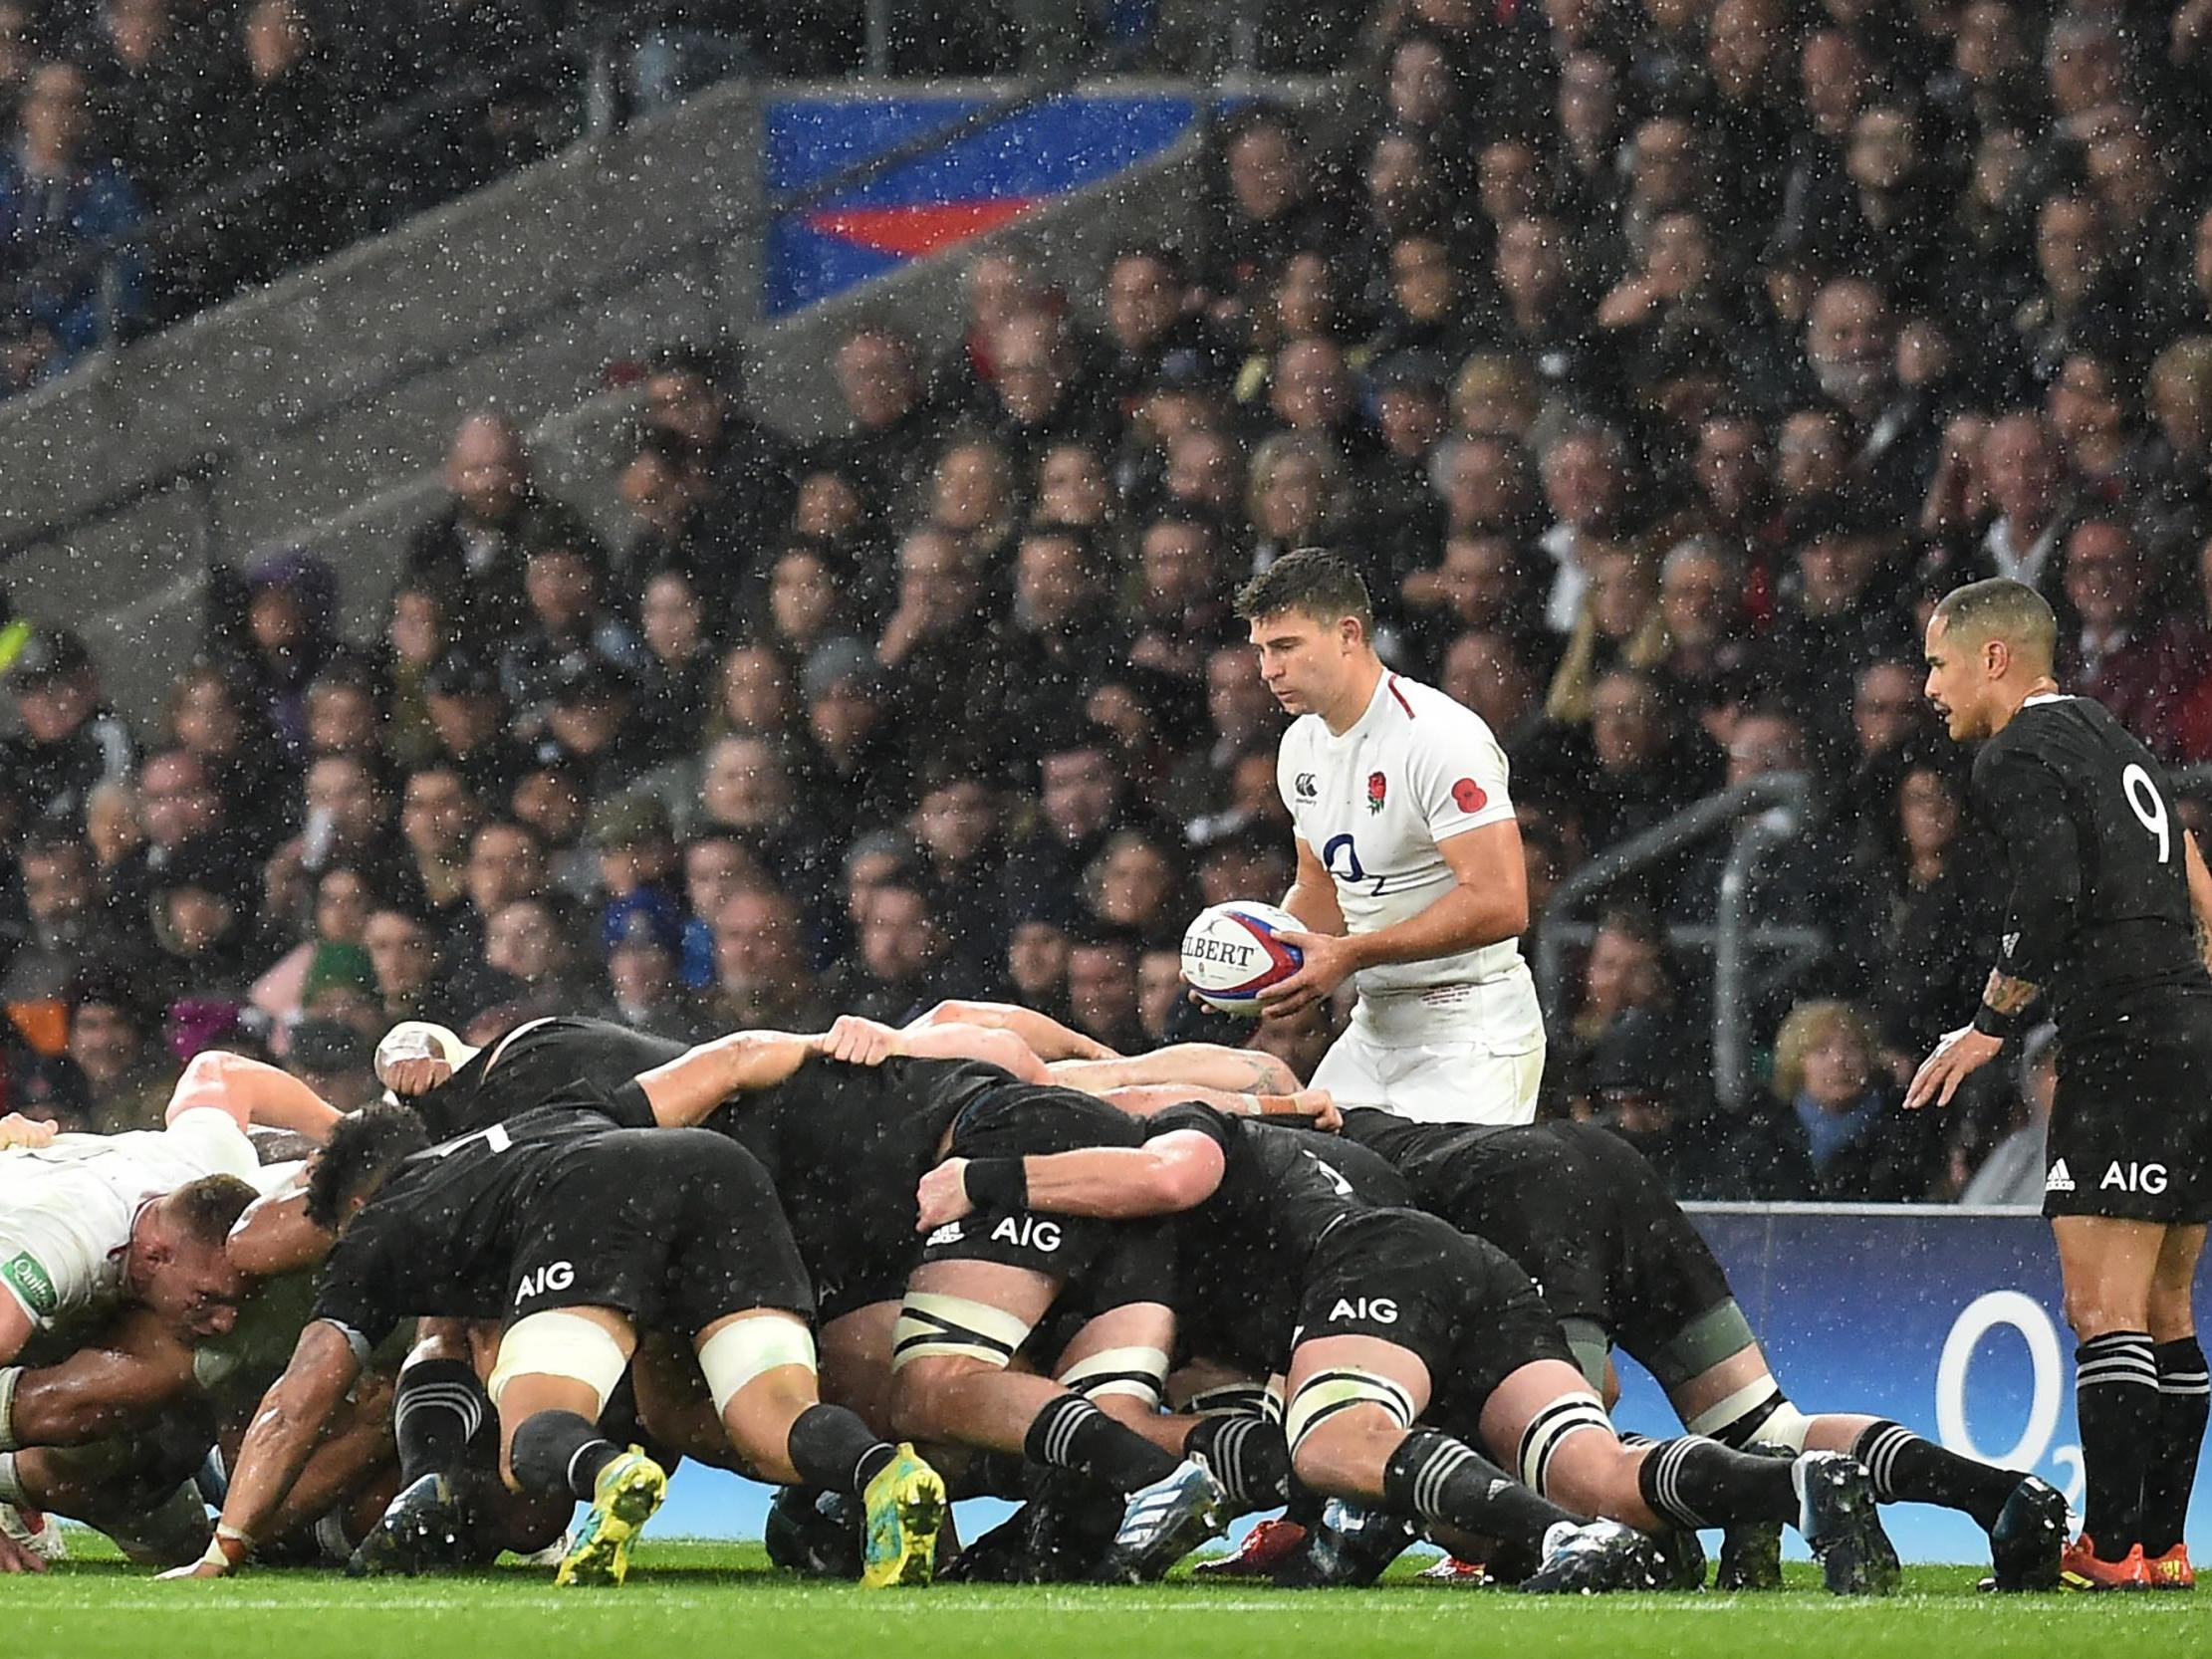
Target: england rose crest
column 1379, row 789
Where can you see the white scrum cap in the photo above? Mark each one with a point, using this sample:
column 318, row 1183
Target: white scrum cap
column 421, row 1039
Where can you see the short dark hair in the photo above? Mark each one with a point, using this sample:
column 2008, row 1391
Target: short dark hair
column 1311, row 580
column 362, row 1151
column 207, row 1209
column 2001, row 609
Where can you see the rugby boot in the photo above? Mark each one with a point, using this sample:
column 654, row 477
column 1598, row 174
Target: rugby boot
column 1839, row 1520
column 815, row 1532
column 1453, row 1572
column 2028, row 1539
column 1349, row 1546
column 624, row 1499
column 1595, row 1558
column 425, row 1527
column 1164, row 1521
column 2080, row 1568
column 1264, row 1549
column 2172, row 1571
column 1682, row 1557
column 905, row 1508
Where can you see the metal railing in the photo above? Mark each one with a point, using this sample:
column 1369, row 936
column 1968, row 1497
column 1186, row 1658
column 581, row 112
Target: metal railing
column 1782, row 803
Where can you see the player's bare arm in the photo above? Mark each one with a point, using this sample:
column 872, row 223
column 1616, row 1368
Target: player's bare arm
column 687, row 1089
column 16, row 1327
column 2200, row 893
column 277, row 1444
column 274, row 1234
column 119, row 1382
column 252, row 1092
column 1487, row 904
column 1046, row 1037
column 1313, row 895
column 1171, row 1173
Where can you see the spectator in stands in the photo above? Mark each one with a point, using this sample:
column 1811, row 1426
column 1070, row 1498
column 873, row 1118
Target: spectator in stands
column 63, row 210
column 1103, row 988
column 2012, row 1175
column 349, row 818
column 692, row 394
column 1924, row 909
column 175, row 806
column 893, row 432
column 643, row 987
column 403, row 954
column 1834, row 1130
column 438, row 819
column 111, row 1037
column 336, row 1062
column 344, row 898
column 67, row 926
column 672, row 689
column 279, row 108
column 2138, row 667
column 70, row 742
column 1586, row 489
column 1180, row 612
column 571, row 620
column 1274, row 210
column 892, row 973
column 471, row 552
column 760, row 976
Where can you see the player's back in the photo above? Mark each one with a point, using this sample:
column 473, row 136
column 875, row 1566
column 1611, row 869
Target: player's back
column 2132, row 953
column 847, row 1144
column 533, row 1062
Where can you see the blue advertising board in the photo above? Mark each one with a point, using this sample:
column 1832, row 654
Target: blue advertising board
column 1947, row 1321
column 988, row 176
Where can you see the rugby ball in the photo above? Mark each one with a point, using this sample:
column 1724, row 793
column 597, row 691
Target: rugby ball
column 1231, row 954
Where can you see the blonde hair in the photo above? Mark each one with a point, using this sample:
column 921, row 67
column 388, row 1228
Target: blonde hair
column 1808, row 1027
column 1268, row 460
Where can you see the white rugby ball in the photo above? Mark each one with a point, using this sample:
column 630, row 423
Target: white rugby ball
column 1231, row 954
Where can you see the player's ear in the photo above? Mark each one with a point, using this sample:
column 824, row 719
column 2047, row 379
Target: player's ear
column 1996, row 657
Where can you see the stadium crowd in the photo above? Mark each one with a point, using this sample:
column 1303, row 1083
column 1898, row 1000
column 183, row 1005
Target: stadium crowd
column 1660, row 365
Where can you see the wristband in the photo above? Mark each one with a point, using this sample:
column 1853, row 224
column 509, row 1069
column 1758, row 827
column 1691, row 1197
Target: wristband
column 9, row 1374
column 228, row 1548
column 996, row 1183
column 1991, row 1021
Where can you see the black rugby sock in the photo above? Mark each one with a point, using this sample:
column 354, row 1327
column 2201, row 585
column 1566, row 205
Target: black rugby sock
column 1247, row 1455
column 560, row 1451
column 2171, row 1473
column 436, row 1411
column 1907, row 1469
column 1073, row 1434
column 833, row 1448
column 1440, row 1478
column 1694, row 1482
column 2115, row 1400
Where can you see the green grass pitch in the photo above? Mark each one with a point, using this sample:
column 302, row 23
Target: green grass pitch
column 690, row 1600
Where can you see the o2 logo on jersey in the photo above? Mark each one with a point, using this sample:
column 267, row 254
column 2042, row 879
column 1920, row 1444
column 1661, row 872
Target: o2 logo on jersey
column 1350, row 870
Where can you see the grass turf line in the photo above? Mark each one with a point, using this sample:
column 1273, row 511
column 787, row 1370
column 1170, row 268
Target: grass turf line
column 695, row 1600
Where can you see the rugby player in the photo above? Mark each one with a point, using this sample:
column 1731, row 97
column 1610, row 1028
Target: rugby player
column 1386, row 1321
column 1587, row 1217
column 580, row 1224
column 1410, row 881
column 2108, row 901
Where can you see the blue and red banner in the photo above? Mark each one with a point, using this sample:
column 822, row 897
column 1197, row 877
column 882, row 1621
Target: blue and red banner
column 987, row 177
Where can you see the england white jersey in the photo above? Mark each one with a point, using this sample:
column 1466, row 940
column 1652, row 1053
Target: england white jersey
column 67, row 1209
column 1416, row 769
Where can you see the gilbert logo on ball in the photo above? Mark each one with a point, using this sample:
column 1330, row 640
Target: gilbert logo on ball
column 1231, row 954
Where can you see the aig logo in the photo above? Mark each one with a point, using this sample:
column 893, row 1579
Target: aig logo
column 1377, row 1309
column 2143, row 1178
column 555, row 1276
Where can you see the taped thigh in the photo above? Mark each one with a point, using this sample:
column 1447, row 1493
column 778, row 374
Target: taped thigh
column 936, row 1327
column 1325, row 1393
column 747, row 1349
column 557, row 1343
column 1133, row 1373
